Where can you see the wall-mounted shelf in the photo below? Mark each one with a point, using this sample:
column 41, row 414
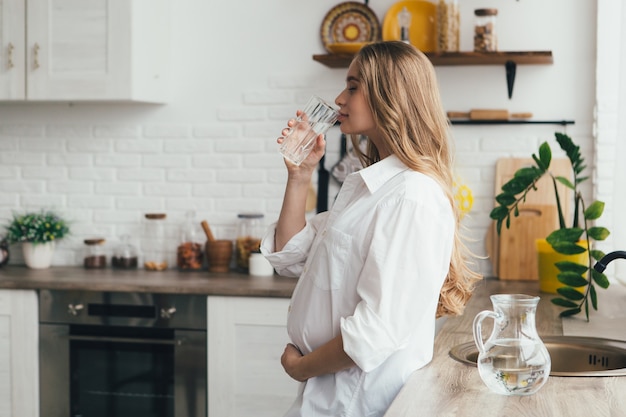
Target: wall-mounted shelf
column 510, row 60
column 512, row 122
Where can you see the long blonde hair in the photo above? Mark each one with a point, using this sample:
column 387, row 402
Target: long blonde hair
column 400, row 85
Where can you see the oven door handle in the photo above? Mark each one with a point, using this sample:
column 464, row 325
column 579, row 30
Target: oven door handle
column 177, row 342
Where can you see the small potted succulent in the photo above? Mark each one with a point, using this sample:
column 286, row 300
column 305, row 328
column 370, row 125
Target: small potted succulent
column 38, row 232
column 578, row 278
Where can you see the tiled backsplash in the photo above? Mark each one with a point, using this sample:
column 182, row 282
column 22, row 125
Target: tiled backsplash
column 212, row 147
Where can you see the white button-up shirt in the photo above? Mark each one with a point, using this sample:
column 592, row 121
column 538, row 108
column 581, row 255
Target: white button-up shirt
column 371, row 268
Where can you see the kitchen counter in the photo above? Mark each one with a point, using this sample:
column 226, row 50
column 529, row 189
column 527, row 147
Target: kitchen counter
column 141, row 280
column 446, row 387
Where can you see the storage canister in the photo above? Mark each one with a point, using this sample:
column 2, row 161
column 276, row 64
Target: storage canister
column 259, row 265
column 154, row 243
column 249, row 232
column 190, row 251
column 95, row 256
column 448, row 22
column 124, row 255
column 485, row 37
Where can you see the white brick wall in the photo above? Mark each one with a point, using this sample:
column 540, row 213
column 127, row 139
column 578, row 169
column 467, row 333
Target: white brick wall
column 610, row 127
column 212, row 147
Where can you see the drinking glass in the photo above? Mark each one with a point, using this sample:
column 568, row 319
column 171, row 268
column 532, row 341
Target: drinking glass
column 316, row 118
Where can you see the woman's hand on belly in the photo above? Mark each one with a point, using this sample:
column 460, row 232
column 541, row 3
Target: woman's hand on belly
column 327, row 359
column 290, row 360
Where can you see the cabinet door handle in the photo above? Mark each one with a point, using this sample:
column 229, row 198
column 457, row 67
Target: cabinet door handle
column 36, row 53
column 10, row 55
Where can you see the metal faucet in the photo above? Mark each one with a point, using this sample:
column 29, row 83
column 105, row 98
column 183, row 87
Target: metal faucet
column 600, row 266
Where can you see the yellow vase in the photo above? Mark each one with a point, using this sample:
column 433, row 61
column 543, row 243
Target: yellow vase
column 547, row 257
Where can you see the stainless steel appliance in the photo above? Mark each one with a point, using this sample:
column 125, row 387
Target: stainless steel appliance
column 117, row 354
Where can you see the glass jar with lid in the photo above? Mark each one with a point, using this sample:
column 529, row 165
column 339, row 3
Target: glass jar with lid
column 4, row 251
column 95, row 255
column 250, row 229
column 154, row 244
column 124, row 254
column 190, row 251
column 485, row 39
column 448, row 23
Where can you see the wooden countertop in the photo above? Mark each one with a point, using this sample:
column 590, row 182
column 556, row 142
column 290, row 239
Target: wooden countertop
column 141, row 280
column 448, row 388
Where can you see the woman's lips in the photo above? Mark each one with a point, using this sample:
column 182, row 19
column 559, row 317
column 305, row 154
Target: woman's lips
column 342, row 117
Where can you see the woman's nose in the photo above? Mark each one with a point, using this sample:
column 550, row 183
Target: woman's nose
column 338, row 100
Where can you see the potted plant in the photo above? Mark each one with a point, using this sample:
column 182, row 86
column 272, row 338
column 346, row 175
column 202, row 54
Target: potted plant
column 38, row 233
column 579, row 278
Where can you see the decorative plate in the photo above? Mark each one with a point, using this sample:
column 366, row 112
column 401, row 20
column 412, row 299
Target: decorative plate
column 423, row 29
column 350, row 22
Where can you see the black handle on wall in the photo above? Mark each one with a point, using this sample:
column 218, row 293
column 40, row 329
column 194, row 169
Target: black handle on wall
column 322, row 186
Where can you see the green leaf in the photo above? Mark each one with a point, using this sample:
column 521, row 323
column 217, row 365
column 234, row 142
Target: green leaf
column 572, row 234
column 528, row 174
column 572, row 279
column 570, row 293
column 571, row 267
column 505, row 199
column 561, row 302
column 594, row 211
column 499, row 226
column 594, row 297
column 600, row 279
column 517, row 184
column 572, row 312
column 568, row 248
column 596, row 254
column 598, row 233
column 545, row 155
column 572, row 150
column 499, row 213
column 566, row 182
column 539, row 163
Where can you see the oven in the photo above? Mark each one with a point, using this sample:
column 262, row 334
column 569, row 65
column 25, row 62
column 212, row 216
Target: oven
column 117, row 354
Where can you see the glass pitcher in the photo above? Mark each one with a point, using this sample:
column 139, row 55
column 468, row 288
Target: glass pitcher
column 514, row 360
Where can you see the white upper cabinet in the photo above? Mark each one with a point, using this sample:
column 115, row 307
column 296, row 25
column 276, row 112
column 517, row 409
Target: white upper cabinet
column 84, row 50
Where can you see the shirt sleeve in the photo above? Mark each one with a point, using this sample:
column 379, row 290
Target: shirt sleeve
column 289, row 262
column 399, row 286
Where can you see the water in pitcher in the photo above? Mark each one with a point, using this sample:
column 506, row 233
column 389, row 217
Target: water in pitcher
column 514, row 367
column 514, row 360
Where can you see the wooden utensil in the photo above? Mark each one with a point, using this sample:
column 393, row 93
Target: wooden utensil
column 518, row 253
column 488, row 114
column 219, row 254
column 207, row 231
column 543, row 196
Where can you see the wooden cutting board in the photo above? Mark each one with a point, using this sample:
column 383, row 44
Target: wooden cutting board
column 543, row 196
column 517, row 249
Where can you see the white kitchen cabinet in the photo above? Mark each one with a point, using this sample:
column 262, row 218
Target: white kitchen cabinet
column 84, row 50
column 246, row 337
column 19, row 363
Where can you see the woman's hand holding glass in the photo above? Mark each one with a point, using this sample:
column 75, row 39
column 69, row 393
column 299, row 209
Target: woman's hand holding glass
column 308, row 164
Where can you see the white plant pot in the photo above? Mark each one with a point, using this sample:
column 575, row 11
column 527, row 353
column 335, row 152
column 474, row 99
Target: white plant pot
column 38, row 255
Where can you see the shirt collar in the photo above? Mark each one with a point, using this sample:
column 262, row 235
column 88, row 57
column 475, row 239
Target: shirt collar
column 374, row 176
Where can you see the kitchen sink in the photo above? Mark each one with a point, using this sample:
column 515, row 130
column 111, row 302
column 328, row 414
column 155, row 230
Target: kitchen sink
column 570, row 355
